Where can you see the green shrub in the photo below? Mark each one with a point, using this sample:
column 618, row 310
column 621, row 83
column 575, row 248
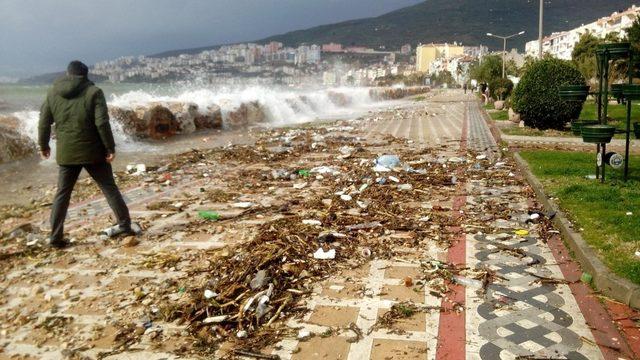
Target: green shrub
column 536, row 97
column 500, row 88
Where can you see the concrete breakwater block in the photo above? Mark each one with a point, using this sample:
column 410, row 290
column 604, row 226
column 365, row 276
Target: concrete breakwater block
column 161, row 121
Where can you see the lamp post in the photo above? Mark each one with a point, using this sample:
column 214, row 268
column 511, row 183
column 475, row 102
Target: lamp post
column 504, row 47
column 540, row 30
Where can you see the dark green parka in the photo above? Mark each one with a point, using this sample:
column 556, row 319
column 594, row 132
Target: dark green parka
column 79, row 111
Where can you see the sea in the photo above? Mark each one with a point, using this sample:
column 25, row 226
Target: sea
column 284, row 105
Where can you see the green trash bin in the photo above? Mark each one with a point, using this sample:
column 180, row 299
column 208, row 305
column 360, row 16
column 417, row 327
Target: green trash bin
column 631, row 92
column 574, row 92
column 576, row 125
column 598, row 134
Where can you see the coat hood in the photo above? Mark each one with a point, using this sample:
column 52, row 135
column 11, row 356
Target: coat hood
column 70, row 86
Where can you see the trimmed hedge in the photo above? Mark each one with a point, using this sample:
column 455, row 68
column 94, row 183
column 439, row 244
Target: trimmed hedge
column 500, row 88
column 536, row 97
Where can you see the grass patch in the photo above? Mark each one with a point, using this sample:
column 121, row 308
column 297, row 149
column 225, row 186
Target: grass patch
column 502, row 115
column 598, row 209
column 527, row 131
column 489, row 106
column 614, row 112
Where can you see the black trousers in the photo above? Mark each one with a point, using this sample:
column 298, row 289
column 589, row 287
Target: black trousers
column 102, row 174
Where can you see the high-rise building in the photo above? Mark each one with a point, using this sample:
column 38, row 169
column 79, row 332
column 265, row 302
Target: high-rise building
column 426, row 54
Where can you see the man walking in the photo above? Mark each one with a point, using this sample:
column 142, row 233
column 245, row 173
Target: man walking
column 83, row 140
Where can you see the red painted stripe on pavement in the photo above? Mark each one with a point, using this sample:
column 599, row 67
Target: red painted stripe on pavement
column 611, row 343
column 624, row 317
column 451, row 330
column 452, row 335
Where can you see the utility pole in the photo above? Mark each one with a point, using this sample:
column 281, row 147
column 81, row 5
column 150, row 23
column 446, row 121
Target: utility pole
column 504, row 48
column 540, row 35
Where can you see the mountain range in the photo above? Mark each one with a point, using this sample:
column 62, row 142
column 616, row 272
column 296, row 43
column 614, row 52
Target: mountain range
column 464, row 21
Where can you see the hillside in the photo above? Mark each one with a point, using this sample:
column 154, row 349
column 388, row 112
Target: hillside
column 465, row 21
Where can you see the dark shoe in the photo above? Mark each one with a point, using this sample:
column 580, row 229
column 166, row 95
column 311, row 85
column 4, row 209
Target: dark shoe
column 59, row 244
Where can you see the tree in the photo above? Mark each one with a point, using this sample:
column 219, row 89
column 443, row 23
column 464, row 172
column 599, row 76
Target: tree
column 443, row 77
column 584, row 55
column 633, row 37
column 500, row 88
column 490, row 68
column 537, row 97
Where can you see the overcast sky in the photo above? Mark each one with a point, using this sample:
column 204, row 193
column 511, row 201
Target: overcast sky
column 39, row 36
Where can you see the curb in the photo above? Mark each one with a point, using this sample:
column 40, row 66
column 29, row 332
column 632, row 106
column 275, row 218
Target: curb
column 604, row 280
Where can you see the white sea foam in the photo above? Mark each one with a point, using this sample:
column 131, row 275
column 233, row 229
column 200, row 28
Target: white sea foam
column 283, row 105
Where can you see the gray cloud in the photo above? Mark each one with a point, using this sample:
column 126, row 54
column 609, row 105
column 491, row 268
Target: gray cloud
column 38, row 36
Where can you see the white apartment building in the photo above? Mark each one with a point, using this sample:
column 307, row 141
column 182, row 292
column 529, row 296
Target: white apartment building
column 561, row 44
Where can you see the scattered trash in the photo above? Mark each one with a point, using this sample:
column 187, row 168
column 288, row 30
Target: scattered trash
column 408, row 281
column 329, row 237
column 629, row 213
column 136, row 169
column 215, row 319
column 131, row 241
column 279, row 174
column 388, row 161
column 591, row 177
column 312, row 222
column 209, row 215
column 300, row 186
column 242, row 205
column 260, row 280
column 346, row 197
column 364, row 226
column 304, row 173
column 320, row 254
column 468, row 282
column 522, row 232
column 304, row 334
column 586, row 278
column 638, row 253
column 325, row 170
column 208, row 294
column 346, row 152
column 481, row 157
column 289, row 240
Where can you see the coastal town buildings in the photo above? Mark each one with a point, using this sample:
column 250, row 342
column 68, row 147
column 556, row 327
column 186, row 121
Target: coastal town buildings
column 561, row 44
column 243, row 58
column 339, row 66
